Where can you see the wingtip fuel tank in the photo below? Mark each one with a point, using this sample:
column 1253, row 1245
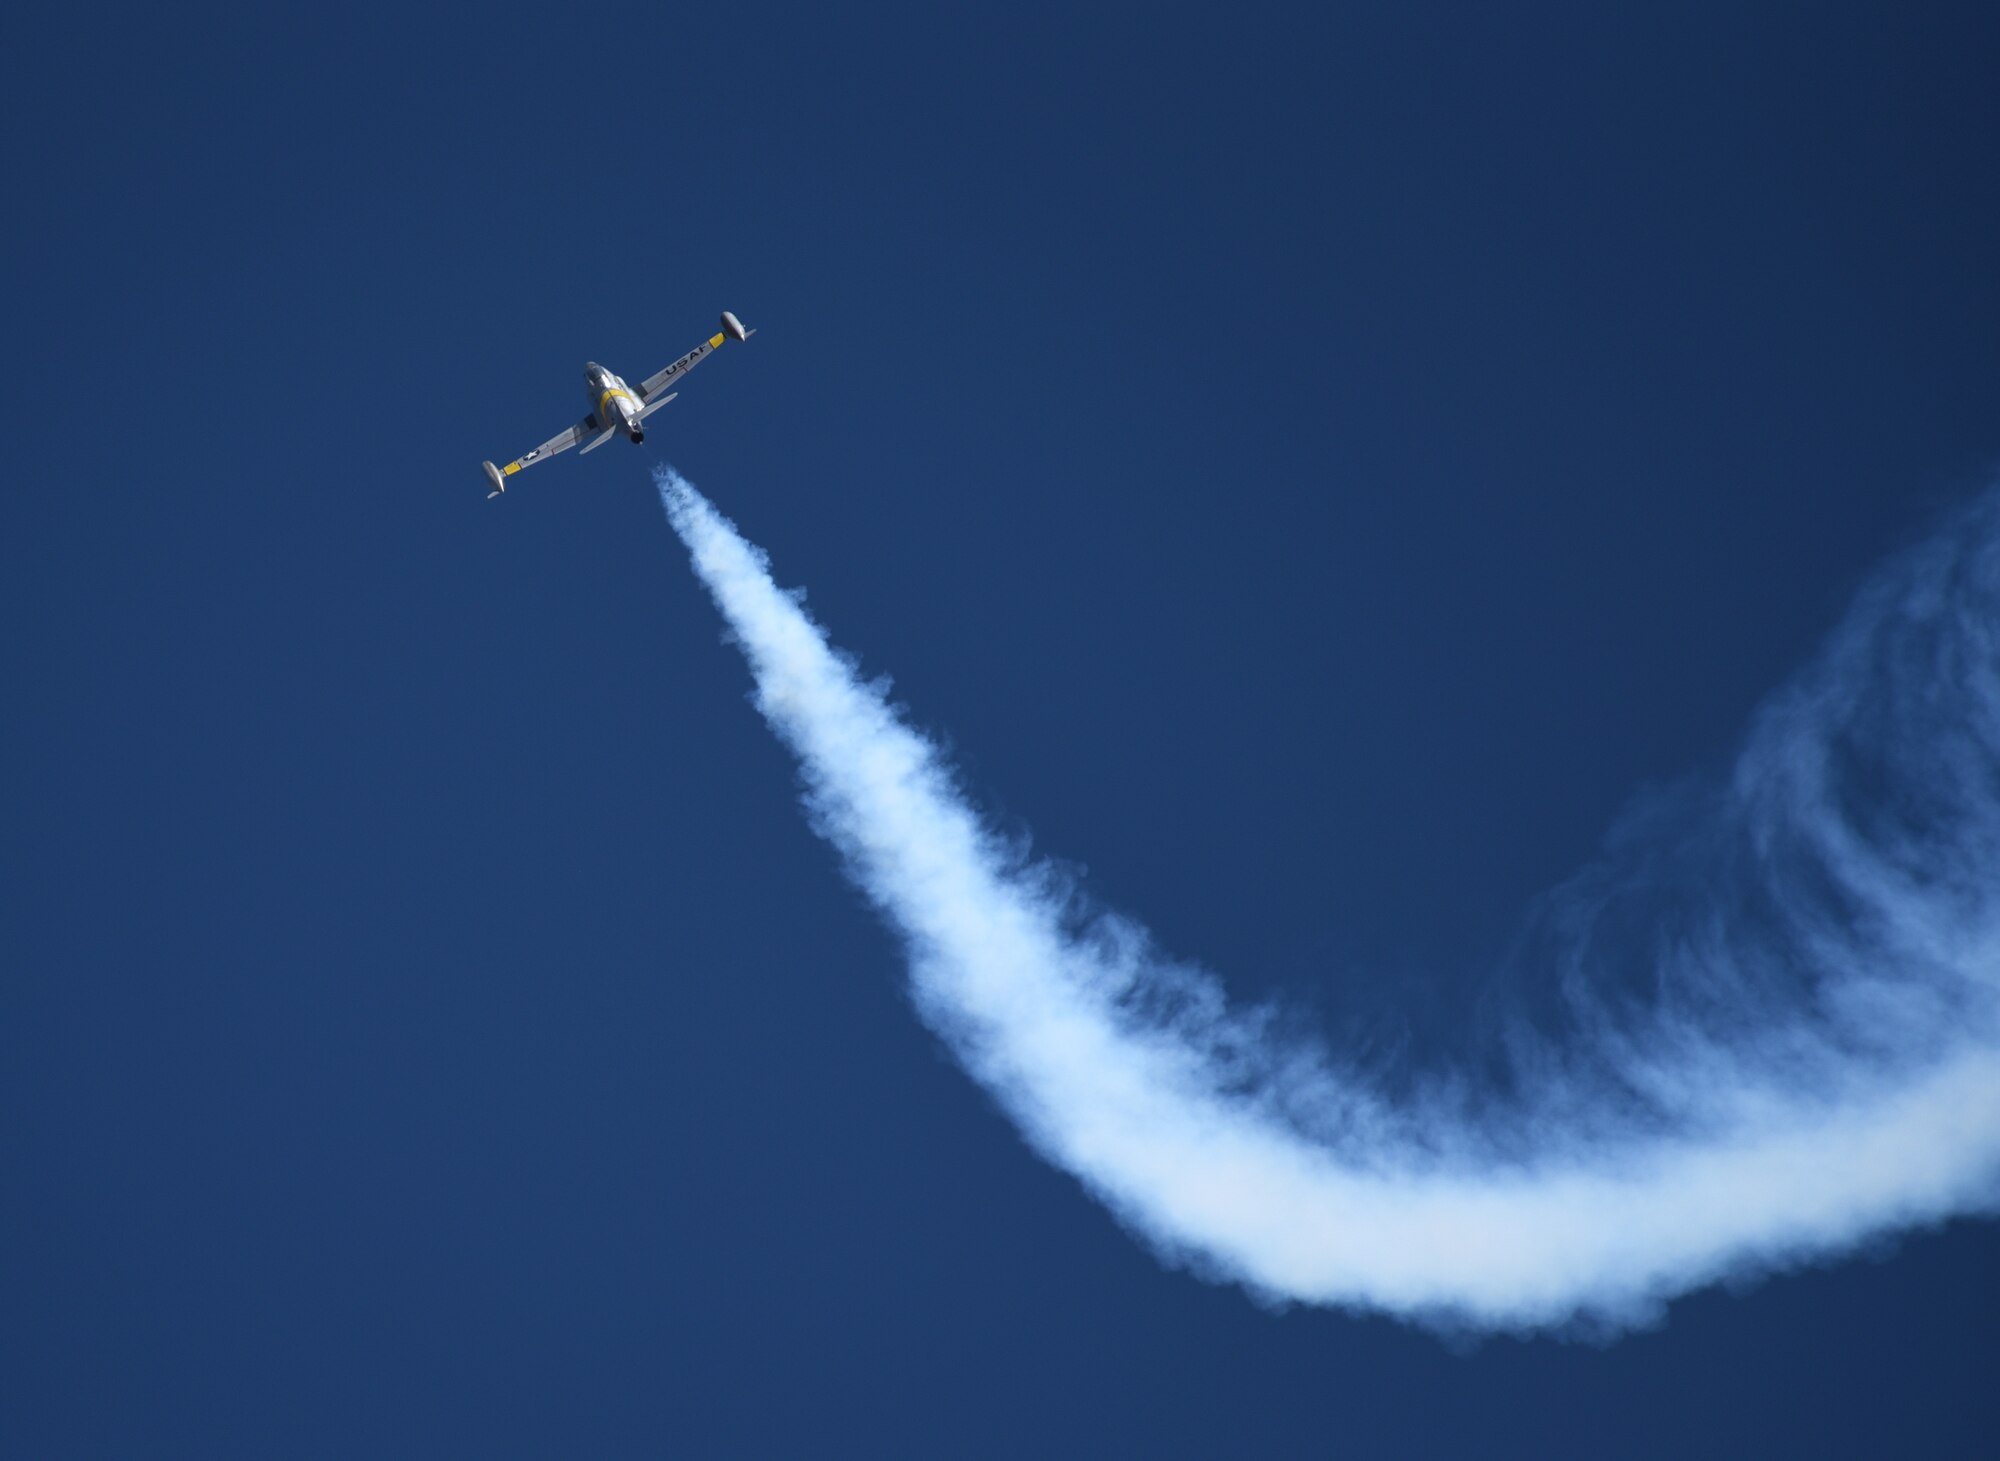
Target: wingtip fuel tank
column 734, row 327
column 493, row 475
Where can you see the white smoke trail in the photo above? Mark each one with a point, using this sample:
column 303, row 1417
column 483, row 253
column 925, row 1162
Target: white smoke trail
column 1817, row 1062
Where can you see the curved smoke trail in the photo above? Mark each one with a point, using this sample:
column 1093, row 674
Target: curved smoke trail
column 1816, row 1060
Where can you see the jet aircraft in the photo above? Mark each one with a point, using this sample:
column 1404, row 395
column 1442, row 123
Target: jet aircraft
column 615, row 407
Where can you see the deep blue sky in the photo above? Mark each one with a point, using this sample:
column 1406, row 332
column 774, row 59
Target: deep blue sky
column 1312, row 466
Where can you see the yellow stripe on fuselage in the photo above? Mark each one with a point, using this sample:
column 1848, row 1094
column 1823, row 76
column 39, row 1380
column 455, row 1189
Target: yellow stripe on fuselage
column 614, row 391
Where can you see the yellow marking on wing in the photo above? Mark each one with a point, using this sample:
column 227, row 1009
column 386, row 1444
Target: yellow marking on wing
column 716, row 343
column 510, row 469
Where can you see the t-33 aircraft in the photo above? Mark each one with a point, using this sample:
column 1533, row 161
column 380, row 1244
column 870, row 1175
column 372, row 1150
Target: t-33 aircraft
column 615, row 407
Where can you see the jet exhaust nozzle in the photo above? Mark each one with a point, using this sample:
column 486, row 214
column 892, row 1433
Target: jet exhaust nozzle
column 638, row 433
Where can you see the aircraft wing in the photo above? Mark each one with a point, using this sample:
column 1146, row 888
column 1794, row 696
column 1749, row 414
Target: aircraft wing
column 552, row 446
column 654, row 384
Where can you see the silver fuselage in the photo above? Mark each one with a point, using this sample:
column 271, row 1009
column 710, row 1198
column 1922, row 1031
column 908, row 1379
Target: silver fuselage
column 612, row 402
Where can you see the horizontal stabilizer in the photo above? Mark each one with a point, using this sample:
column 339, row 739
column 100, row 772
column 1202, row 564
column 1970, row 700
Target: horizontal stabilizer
column 652, row 406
